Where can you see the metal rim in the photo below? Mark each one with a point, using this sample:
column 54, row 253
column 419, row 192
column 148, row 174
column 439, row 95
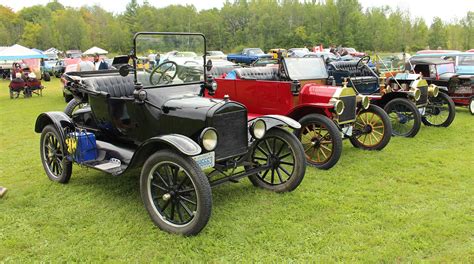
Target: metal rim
column 317, row 143
column 276, row 153
column 53, row 155
column 372, row 127
column 402, row 119
column 437, row 110
column 172, row 194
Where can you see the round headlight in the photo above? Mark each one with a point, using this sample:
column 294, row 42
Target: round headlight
column 339, row 107
column 365, row 101
column 214, row 86
column 209, row 139
column 416, row 94
column 258, row 129
column 433, row 90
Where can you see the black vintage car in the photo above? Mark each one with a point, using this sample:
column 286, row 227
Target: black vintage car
column 160, row 121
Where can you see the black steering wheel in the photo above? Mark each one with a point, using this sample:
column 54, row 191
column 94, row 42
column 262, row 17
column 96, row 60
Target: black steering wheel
column 363, row 61
column 162, row 70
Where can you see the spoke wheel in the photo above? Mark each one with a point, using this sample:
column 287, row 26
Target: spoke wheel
column 53, row 156
column 321, row 140
column 440, row 111
column 404, row 117
column 73, row 106
column 372, row 129
column 282, row 154
column 176, row 193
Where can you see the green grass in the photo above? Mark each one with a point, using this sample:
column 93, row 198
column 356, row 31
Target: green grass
column 411, row 202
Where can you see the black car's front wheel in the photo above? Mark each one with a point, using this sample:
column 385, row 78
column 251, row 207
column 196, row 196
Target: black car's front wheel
column 176, row 193
column 440, row 111
column 404, row 117
column 282, row 154
column 53, row 155
column 372, row 129
column 321, row 140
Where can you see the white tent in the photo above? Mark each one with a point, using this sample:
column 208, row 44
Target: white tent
column 95, row 50
column 18, row 52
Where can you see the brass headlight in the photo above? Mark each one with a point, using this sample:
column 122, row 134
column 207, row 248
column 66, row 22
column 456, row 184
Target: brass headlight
column 208, row 138
column 339, row 107
column 258, row 129
column 433, row 90
column 364, row 101
column 415, row 93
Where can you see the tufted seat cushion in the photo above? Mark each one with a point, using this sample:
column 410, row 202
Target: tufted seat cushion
column 258, row 73
column 116, row 86
column 351, row 67
column 218, row 71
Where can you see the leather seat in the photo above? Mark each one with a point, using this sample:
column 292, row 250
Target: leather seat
column 258, row 73
column 115, row 86
column 218, row 71
column 350, row 67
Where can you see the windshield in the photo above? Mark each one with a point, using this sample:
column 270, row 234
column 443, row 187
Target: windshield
column 179, row 59
column 466, row 60
column 445, row 68
column 255, row 52
column 306, row 68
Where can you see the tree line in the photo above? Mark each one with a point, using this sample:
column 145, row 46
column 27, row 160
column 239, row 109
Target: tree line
column 240, row 23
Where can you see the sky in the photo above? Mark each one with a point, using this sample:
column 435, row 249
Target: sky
column 447, row 10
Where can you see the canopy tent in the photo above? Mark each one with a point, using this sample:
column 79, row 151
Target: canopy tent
column 18, row 52
column 52, row 51
column 37, row 50
column 95, row 50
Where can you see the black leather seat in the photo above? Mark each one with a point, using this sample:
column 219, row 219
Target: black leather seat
column 258, row 73
column 116, row 86
column 350, row 67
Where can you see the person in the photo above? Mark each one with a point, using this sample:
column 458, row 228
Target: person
column 85, row 64
column 100, row 64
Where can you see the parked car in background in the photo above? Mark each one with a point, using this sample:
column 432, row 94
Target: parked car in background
column 5, row 69
column 247, row 56
column 442, row 73
column 216, row 55
column 73, row 54
column 298, row 52
column 351, row 51
column 428, row 51
column 182, row 58
column 300, row 88
column 58, row 68
column 463, row 61
column 275, row 52
column 48, row 67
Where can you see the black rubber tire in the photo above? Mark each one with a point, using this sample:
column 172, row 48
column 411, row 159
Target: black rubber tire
column 200, row 184
column 72, row 106
column 451, row 108
column 299, row 169
column 66, row 164
column 387, row 130
column 334, row 132
column 471, row 106
column 46, row 77
column 413, row 109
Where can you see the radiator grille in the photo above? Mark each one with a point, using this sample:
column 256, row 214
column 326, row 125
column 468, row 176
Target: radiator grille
column 349, row 113
column 232, row 131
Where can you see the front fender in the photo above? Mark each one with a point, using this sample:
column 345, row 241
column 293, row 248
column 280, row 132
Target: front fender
column 277, row 120
column 59, row 119
column 180, row 143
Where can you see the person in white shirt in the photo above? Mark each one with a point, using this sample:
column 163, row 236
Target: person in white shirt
column 85, row 64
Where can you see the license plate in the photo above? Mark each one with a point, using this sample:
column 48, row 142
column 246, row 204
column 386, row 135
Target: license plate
column 422, row 110
column 206, row 160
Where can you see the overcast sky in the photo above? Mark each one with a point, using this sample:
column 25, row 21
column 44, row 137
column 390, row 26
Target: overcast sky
column 446, row 9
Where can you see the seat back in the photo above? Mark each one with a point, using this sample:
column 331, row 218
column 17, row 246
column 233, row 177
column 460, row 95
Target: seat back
column 116, row 86
column 258, row 73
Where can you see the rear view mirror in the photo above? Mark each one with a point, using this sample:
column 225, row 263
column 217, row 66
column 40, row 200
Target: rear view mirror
column 124, row 70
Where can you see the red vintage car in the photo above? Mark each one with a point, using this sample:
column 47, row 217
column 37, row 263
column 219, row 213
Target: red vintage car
column 300, row 88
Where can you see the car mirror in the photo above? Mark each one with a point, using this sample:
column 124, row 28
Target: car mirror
column 209, row 65
column 124, row 70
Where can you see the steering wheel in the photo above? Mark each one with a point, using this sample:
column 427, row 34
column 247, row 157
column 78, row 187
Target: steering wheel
column 363, row 61
column 163, row 71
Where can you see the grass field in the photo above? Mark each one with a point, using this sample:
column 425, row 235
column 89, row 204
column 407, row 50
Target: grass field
column 411, row 202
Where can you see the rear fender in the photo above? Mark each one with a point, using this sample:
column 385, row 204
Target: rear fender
column 180, row 143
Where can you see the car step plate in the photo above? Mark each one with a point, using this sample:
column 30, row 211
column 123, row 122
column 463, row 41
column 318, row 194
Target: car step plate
column 206, row 160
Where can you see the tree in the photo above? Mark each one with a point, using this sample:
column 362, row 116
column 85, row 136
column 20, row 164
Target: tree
column 437, row 35
column 55, row 6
